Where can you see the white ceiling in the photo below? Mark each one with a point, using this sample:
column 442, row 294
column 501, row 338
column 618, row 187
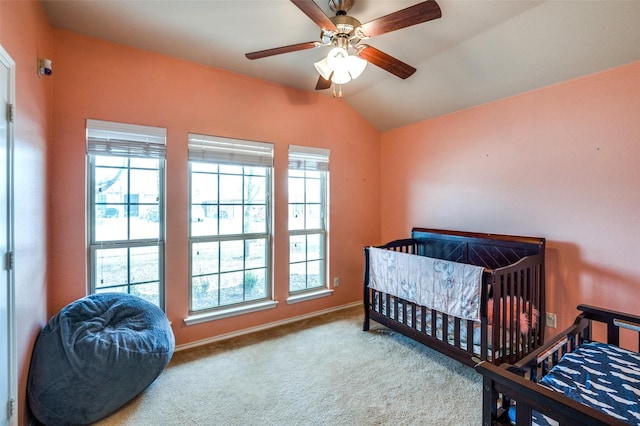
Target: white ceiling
column 479, row 51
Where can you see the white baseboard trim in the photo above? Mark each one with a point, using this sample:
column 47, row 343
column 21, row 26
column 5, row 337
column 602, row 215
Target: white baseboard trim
column 264, row 326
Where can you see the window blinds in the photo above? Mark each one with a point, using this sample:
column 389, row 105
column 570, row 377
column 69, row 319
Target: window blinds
column 308, row 158
column 215, row 149
column 128, row 140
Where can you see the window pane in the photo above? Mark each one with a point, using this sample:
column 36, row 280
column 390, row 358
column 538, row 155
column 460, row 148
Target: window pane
column 314, row 274
column 109, row 160
column 150, row 213
column 111, row 267
column 204, row 220
column 255, row 192
column 255, row 284
column 256, row 253
column 110, row 223
column 230, row 189
column 297, row 277
column 204, row 188
column 143, row 163
column 204, row 258
column 204, row 292
column 296, row 190
column 144, row 184
column 296, row 216
column 297, row 248
column 144, row 264
column 230, row 169
column 204, row 167
column 255, row 220
column 146, row 224
column 231, row 288
column 148, row 292
column 231, row 256
column 313, row 191
column 231, row 220
column 315, row 250
column 110, row 186
column 314, row 218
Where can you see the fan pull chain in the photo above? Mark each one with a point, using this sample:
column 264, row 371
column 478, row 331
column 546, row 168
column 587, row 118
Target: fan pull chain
column 339, row 92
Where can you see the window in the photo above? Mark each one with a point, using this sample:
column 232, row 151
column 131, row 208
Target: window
column 308, row 170
column 230, row 222
column 126, row 209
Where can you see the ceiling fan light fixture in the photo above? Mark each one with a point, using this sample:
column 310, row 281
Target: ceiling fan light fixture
column 323, row 68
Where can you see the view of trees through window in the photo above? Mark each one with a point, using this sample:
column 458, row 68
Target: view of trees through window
column 229, row 234
column 307, row 219
column 126, row 236
column 230, row 248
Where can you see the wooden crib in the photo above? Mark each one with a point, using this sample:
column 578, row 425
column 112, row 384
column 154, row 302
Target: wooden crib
column 513, row 276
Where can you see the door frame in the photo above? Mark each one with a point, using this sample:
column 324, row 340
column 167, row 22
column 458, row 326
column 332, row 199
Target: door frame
column 9, row 63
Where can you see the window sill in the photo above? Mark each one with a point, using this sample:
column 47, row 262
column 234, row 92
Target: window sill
column 230, row 312
column 302, row 297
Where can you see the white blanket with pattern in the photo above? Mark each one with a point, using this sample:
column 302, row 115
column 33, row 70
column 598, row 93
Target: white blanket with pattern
column 449, row 287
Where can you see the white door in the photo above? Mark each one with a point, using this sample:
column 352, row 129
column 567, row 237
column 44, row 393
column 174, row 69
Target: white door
column 8, row 369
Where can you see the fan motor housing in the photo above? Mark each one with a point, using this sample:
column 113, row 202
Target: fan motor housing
column 345, row 23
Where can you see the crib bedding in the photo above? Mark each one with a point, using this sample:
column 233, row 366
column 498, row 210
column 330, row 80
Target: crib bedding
column 450, row 287
column 599, row 375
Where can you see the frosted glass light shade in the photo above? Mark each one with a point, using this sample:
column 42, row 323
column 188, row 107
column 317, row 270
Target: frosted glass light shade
column 323, row 68
column 356, row 65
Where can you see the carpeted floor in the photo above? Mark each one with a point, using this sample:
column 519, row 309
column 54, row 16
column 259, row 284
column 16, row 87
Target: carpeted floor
column 320, row 371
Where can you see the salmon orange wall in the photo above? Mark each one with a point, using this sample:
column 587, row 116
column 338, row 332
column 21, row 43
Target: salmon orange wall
column 101, row 80
column 562, row 162
column 25, row 34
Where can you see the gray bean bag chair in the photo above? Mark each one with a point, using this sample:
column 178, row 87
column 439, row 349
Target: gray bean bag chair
column 94, row 356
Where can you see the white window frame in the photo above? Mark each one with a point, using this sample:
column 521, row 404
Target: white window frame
column 221, row 151
column 304, row 158
column 105, row 138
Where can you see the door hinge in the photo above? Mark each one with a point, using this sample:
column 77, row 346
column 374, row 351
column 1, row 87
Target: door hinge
column 9, row 261
column 11, row 113
column 11, row 407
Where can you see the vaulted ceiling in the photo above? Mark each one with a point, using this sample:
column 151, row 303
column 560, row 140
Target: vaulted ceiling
column 477, row 52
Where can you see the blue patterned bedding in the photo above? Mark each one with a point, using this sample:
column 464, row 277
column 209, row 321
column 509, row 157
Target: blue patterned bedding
column 602, row 376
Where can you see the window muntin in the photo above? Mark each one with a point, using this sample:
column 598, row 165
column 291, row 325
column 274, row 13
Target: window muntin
column 307, row 185
column 230, row 231
column 126, row 202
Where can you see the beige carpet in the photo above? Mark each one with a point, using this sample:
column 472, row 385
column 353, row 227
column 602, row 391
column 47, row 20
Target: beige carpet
column 320, row 371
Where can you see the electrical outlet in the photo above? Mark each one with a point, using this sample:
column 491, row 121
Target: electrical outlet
column 551, row 320
column 336, row 282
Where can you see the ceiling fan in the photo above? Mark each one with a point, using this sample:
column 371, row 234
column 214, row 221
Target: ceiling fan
column 344, row 33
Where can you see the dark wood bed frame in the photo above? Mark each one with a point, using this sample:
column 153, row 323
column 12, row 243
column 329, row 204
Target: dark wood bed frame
column 514, row 266
column 518, row 382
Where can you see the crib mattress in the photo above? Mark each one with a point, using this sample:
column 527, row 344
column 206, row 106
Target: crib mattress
column 601, row 376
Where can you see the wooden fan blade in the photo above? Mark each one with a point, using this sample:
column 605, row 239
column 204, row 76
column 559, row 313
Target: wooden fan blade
column 313, row 11
column 323, row 84
column 412, row 15
column 386, row 62
column 284, row 49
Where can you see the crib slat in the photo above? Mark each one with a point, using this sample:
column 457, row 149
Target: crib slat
column 470, row 336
